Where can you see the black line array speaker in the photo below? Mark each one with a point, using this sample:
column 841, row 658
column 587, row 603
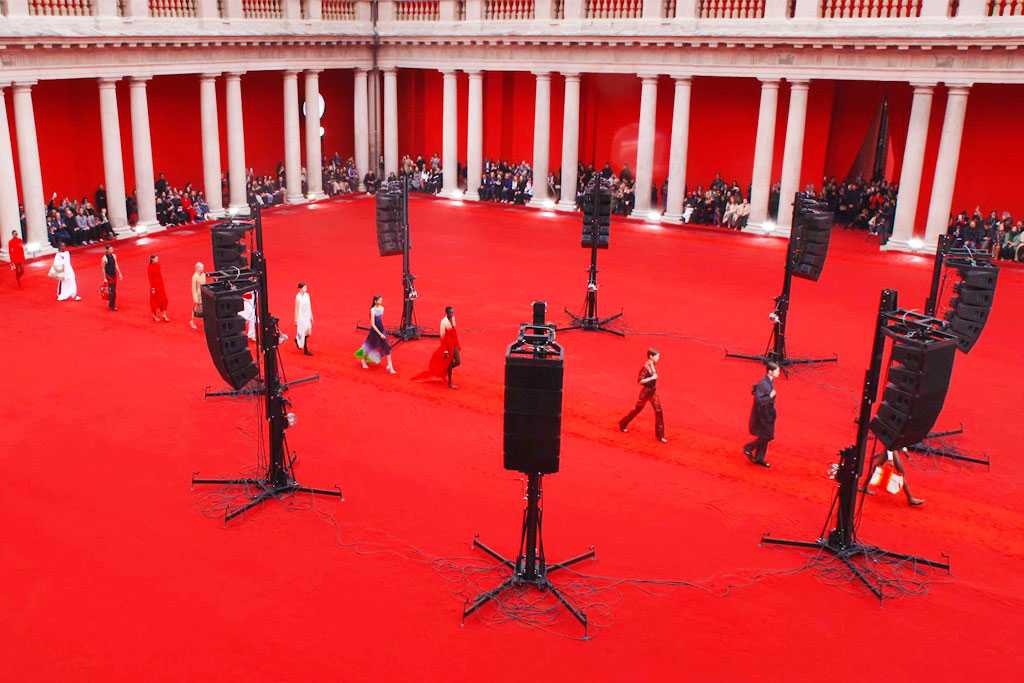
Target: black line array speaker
column 597, row 215
column 915, row 390
column 533, row 414
column 225, row 335
column 229, row 246
column 812, row 230
column 390, row 233
column 971, row 304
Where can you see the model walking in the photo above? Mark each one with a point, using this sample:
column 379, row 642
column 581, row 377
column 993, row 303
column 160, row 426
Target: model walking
column 157, row 291
column 448, row 355
column 61, row 270
column 762, row 416
column 376, row 345
column 648, row 379
column 303, row 319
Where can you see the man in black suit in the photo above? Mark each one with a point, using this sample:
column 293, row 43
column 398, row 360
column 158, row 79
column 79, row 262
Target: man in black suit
column 762, row 416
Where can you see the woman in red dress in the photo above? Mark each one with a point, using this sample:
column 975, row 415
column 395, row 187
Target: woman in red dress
column 157, row 292
column 447, row 357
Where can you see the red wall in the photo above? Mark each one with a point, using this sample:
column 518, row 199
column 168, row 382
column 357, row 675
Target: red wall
column 721, row 138
column 609, row 111
column 992, row 153
column 420, row 104
column 509, row 101
column 68, row 131
column 339, row 117
column 175, row 127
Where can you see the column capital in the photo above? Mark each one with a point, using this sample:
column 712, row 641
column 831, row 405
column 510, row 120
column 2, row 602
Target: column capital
column 22, row 86
column 362, row 69
column 541, row 73
column 108, row 81
column 473, row 73
column 571, row 75
column 209, row 76
column 799, row 83
column 682, row 78
column 923, row 86
column 769, row 82
column 312, row 72
column 292, row 73
column 388, row 69
column 648, row 77
column 960, row 88
column 233, row 75
column 138, row 81
column 447, row 71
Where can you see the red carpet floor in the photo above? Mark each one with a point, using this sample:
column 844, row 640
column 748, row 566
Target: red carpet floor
column 114, row 570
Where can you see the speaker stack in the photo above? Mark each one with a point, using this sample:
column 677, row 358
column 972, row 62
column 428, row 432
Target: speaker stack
column 915, row 389
column 228, row 245
column 812, row 229
column 970, row 307
column 225, row 334
column 597, row 215
column 390, row 215
column 533, row 413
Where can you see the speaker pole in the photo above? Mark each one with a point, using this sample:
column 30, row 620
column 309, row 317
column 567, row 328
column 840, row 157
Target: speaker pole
column 841, row 541
column 278, row 479
column 590, row 320
column 776, row 348
column 932, row 302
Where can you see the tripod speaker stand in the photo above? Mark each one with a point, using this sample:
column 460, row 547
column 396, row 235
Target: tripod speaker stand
column 841, row 542
column 805, row 255
column 597, row 211
column 392, row 230
column 278, row 479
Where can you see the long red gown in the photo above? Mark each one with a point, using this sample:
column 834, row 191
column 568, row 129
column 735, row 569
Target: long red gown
column 157, row 293
column 438, row 367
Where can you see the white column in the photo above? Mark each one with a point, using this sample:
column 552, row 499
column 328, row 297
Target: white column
column 475, row 135
column 113, row 164
column 645, row 146
column 237, row 200
column 28, row 165
column 9, row 217
column 390, row 122
column 292, row 147
column 541, row 138
column 910, row 174
column 142, row 151
column 361, row 127
column 677, row 151
column 764, row 150
column 945, row 165
column 211, row 143
column 792, row 155
column 570, row 140
column 314, row 154
column 449, row 135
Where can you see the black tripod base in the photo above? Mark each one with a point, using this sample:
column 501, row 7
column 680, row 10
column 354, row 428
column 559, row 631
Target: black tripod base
column 536, row 576
column 591, row 323
column 267, row 491
column 783, row 361
column 925, row 448
column 847, row 554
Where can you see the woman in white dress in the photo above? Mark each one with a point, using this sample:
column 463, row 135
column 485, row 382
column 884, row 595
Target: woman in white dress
column 61, row 270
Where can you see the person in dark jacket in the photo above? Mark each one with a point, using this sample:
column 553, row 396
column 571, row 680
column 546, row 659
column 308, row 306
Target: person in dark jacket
column 648, row 380
column 762, row 417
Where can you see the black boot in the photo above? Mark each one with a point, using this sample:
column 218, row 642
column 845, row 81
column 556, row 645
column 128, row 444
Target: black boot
column 305, row 347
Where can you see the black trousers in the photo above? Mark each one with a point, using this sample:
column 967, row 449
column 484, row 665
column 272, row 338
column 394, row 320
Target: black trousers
column 759, row 447
column 659, row 419
column 111, row 293
column 456, row 362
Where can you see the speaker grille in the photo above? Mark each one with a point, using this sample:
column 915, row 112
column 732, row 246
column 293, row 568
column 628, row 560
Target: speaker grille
column 390, row 233
column 597, row 212
column 970, row 307
column 812, row 230
column 225, row 335
column 533, row 414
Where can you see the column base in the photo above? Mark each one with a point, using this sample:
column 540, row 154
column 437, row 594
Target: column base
column 541, row 203
column 239, row 210
column 139, row 229
column 295, row 199
column 451, row 194
column 472, row 195
column 44, row 249
column 216, row 213
column 646, row 214
column 758, row 228
column 565, row 206
column 919, row 246
column 315, row 196
column 676, row 218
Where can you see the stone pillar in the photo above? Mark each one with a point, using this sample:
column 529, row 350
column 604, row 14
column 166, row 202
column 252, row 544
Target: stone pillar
column 764, row 149
column 792, row 155
column 142, row 151
column 390, row 122
column 113, row 164
column 211, row 143
column 450, row 133
column 910, row 175
column 361, row 128
column 541, row 139
column 237, row 200
column 314, row 155
column 645, row 146
column 945, row 165
column 31, row 173
column 292, row 146
column 570, row 140
column 677, row 151
column 10, row 219
column 475, row 136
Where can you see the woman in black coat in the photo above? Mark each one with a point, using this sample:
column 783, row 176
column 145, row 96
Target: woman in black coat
column 762, row 417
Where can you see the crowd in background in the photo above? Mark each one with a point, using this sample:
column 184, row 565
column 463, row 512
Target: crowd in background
column 999, row 234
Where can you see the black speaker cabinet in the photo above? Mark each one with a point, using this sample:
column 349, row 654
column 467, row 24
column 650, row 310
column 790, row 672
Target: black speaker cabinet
column 597, row 215
column 969, row 308
column 225, row 335
column 228, row 247
column 390, row 231
column 533, row 414
column 812, row 230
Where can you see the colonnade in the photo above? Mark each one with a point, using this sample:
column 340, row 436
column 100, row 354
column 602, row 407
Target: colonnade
column 31, row 174
column 31, row 178
column 761, row 175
